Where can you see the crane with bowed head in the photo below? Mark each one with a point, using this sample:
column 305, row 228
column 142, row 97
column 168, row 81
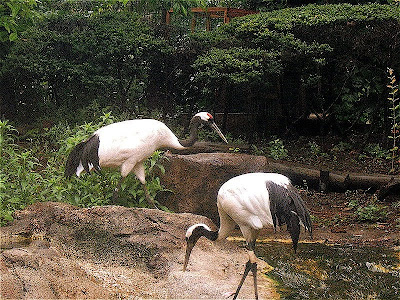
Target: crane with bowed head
column 127, row 145
column 253, row 201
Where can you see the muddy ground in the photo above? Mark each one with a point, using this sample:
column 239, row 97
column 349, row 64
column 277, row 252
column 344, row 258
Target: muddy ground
column 344, row 216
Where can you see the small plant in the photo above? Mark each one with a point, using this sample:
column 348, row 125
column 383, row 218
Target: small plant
column 371, row 213
column 342, row 146
column 276, row 149
column 316, row 149
column 234, row 149
column 374, row 150
column 353, row 203
column 257, row 150
column 395, row 115
column 6, row 131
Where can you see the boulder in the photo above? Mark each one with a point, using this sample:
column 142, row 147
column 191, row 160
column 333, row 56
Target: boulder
column 194, row 180
column 55, row 250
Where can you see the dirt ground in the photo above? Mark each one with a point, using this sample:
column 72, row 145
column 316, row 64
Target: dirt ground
column 341, row 214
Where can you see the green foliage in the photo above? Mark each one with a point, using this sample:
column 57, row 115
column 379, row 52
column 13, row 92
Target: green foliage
column 71, row 60
column 356, row 93
column 395, row 117
column 327, row 58
column 34, row 174
column 235, row 66
column 257, row 150
column 277, row 149
column 313, row 43
column 178, row 6
column 371, row 213
column 374, row 150
column 18, row 184
column 15, row 17
column 274, row 149
column 315, row 148
column 313, row 14
column 342, row 146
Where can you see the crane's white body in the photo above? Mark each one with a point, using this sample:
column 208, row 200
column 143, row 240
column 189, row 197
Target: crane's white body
column 244, row 200
column 129, row 143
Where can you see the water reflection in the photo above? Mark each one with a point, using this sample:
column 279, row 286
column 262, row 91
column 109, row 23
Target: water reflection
column 320, row 271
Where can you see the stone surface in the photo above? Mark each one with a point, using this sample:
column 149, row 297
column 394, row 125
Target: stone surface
column 195, row 179
column 115, row 252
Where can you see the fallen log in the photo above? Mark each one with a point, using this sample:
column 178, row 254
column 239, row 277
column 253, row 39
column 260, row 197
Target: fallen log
column 337, row 182
column 392, row 188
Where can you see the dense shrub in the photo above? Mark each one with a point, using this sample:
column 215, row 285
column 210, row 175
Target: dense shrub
column 73, row 59
column 333, row 57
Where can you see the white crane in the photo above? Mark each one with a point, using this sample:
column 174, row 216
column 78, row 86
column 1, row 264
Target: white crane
column 128, row 144
column 254, row 201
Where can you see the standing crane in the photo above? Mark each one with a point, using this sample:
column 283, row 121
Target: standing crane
column 128, row 144
column 254, row 201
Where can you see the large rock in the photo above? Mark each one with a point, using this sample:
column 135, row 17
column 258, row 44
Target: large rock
column 60, row 251
column 195, row 179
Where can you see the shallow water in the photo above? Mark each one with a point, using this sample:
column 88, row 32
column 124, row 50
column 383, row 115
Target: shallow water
column 320, row 271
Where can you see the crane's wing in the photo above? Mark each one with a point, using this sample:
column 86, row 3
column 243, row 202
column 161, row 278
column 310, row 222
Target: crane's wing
column 285, row 201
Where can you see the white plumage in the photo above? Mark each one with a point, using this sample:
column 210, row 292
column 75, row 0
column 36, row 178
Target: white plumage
column 254, row 201
column 245, row 200
column 124, row 144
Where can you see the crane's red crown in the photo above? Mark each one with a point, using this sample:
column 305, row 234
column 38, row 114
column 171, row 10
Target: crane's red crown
column 205, row 116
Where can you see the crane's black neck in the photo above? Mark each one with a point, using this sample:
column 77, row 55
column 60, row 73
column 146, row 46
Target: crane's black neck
column 211, row 235
column 193, row 132
column 200, row 231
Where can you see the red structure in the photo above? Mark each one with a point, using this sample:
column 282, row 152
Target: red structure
column 225, row 13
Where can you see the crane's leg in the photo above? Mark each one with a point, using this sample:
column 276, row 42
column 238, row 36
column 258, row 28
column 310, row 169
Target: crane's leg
column 254, row 271
column 250, row 265
column 246, row 271
column 117, row 188
column 140, row 174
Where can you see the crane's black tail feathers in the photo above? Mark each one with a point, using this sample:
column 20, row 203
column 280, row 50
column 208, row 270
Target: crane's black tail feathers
column 85, row 153
column 301, row 209
column 287, row 207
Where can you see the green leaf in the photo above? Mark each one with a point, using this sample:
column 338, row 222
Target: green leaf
column 13, row 37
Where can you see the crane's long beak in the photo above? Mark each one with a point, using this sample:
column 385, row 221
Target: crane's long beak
column 189, row 247
column 217, row 130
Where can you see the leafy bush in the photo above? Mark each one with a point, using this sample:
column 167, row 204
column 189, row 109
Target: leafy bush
column 15, row 16
column 375, row 150
column 278, row 65
column 333, row 58
column 371, row 213
column 70, row 60
column 18, row 181
column 276, row 149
